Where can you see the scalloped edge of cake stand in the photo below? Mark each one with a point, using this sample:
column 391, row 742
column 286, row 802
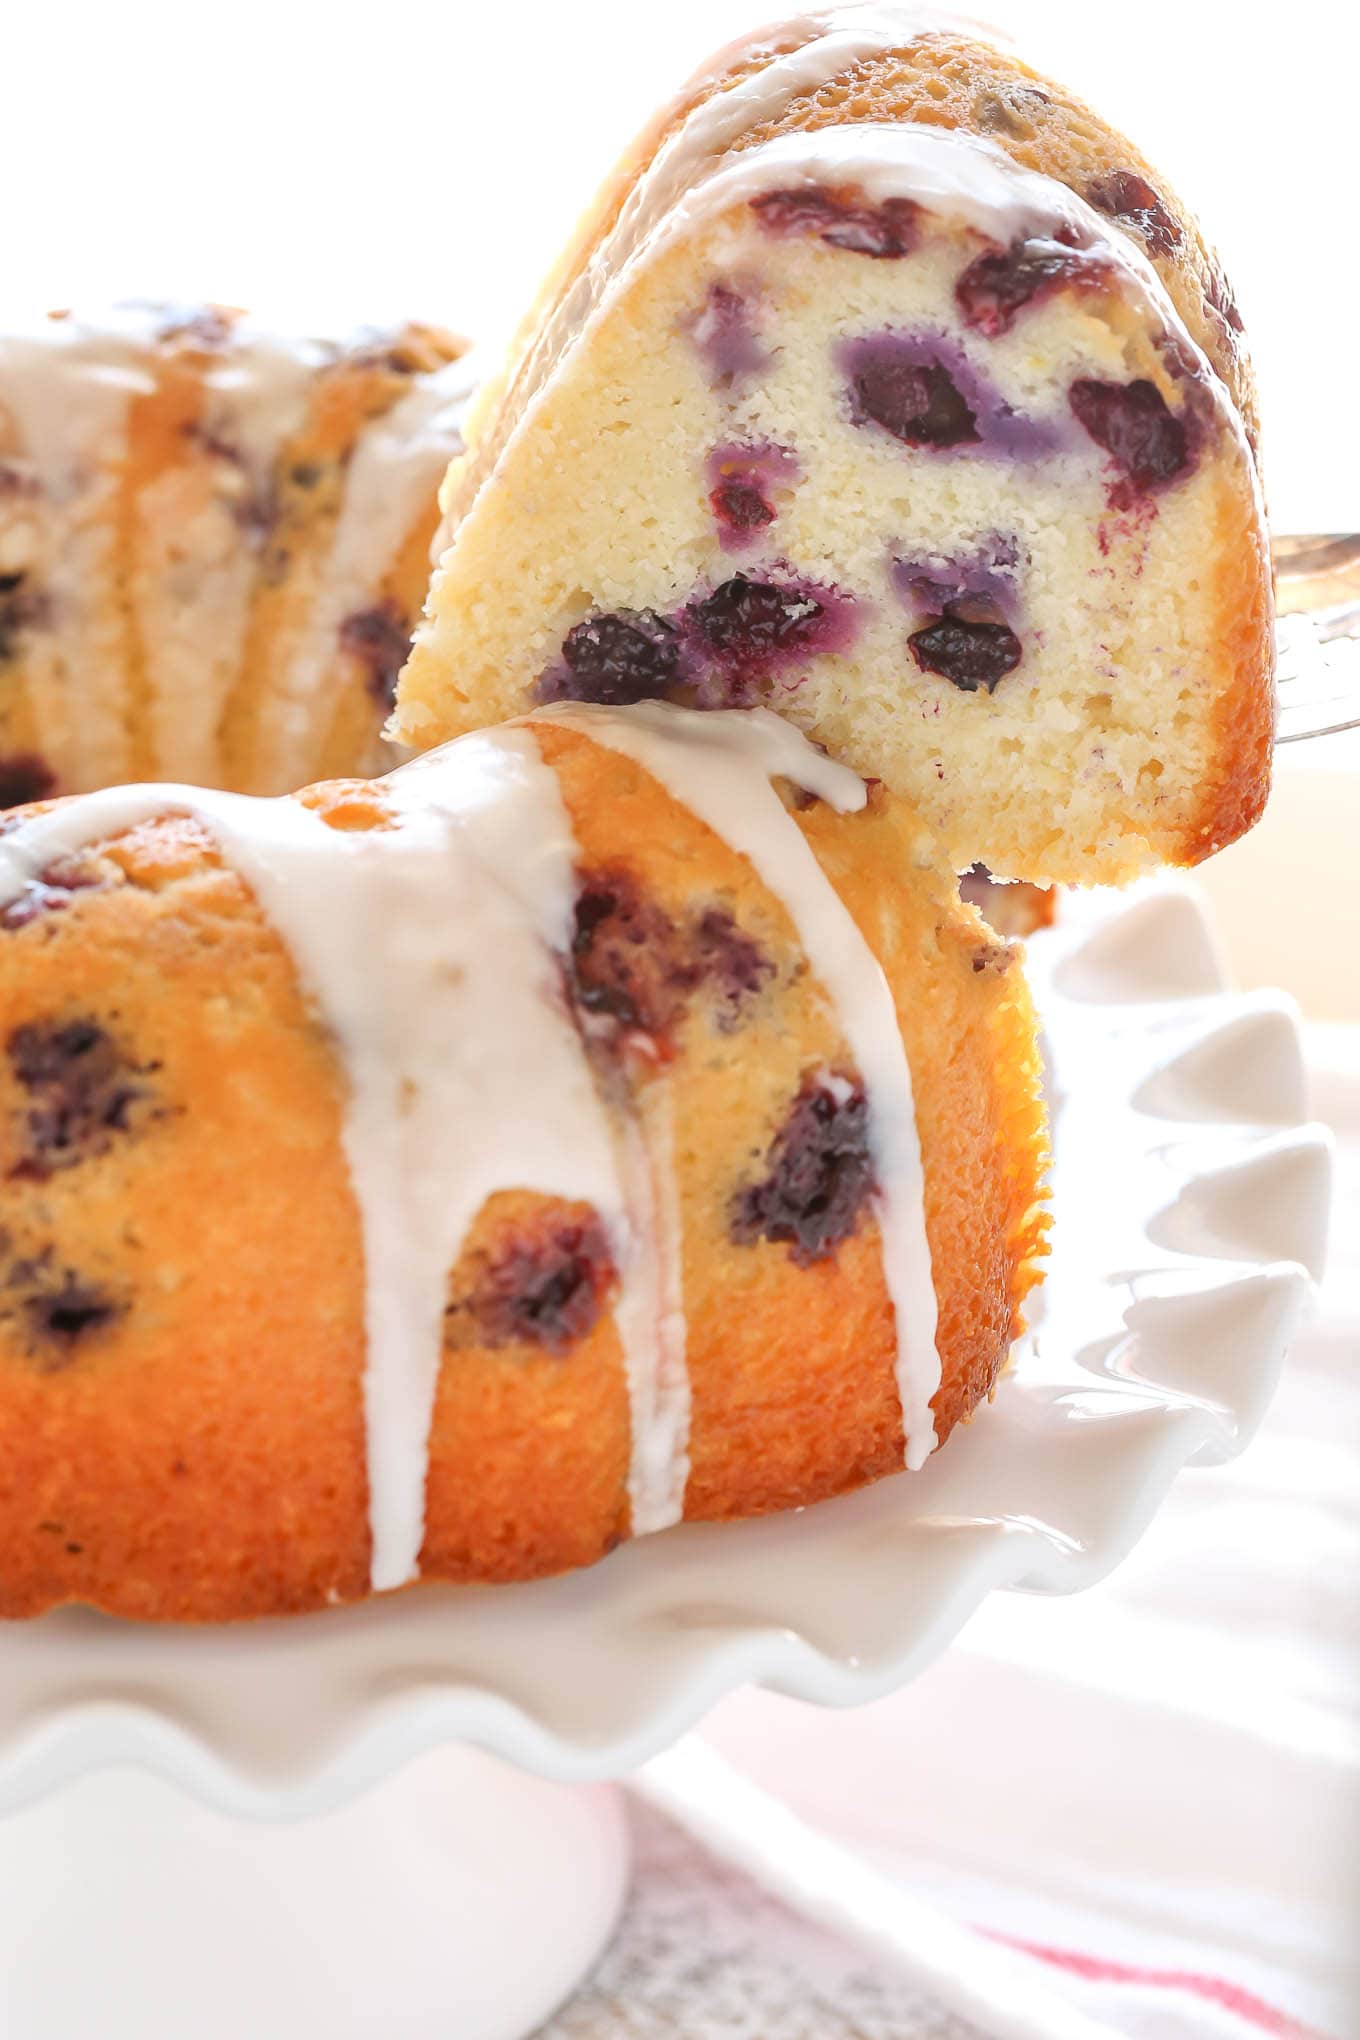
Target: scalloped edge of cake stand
column 1191, row 1209
column 1192, row 1202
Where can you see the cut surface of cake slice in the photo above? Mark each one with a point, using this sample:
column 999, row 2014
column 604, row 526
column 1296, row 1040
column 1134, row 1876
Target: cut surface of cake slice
column 888, row 388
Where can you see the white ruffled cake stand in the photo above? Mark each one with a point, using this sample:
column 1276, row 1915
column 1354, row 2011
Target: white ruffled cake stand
column 392, row 1820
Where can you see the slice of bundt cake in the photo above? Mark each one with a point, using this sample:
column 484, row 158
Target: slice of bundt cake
column 213, row 542
column 604, row 1119
column 890, row 388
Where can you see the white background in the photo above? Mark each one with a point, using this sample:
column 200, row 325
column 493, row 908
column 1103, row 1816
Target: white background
column 334, row 161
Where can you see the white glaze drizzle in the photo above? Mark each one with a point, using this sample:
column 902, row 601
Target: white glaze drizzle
column 651, row 1317
column 198, row 573
column 68, row 382
column 262, row 382
column 466, row 1074
column 720, row 765
column 393, row 475
column 538, row 1123
column 958, row 177
column 835, row 42
column 430, row 951
column 698, row 174
column 67, row 387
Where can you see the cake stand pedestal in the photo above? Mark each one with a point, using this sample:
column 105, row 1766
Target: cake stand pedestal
column 390, row 1821
column 461, row 1900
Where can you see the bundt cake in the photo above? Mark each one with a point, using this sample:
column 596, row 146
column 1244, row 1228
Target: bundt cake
column 888, row 387
column 213, row 542
column 608, row 1118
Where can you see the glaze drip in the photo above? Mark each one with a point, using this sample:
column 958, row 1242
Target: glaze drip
column 395, row 472
column 701, row 170
column 445, row 928
column 149, row 581
column 720, row 765
column 448, row 927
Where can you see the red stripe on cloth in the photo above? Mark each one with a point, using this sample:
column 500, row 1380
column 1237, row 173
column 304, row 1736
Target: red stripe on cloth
column 1229, row 1997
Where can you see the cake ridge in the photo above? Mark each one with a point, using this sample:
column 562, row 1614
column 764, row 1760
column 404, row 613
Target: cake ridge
column 698, row 759
column 393, row 475
column 447, row 922
column 193, row 507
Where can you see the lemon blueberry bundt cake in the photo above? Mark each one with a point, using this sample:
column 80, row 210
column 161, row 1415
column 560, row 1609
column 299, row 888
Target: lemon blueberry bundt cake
column 608, row 1118
column 888, row 387
column 213, row 542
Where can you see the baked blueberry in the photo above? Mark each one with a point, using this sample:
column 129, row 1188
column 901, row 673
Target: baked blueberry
column 818, row 1174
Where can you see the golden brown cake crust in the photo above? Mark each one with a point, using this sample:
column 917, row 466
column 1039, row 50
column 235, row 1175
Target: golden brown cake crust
column 203, row 522
column 1238, row 788
column 181, row 1288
